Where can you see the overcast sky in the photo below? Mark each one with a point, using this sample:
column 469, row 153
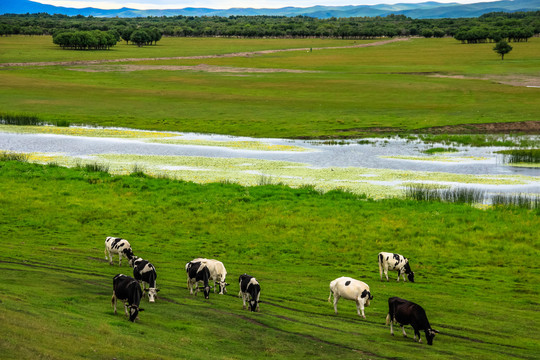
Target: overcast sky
column 226, row 4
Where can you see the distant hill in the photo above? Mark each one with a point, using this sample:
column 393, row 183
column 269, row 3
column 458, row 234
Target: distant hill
column 426, row 10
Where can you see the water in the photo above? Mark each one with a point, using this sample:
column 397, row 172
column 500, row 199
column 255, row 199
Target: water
column 471, row 160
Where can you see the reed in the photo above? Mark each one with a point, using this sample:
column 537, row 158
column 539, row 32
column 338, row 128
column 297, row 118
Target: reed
column 523, row 201
column 530, row 156
column 29, row 120
column 424, row 192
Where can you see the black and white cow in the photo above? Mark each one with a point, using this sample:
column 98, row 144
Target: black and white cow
column 350, row 289
column 145, row 272
column 197, row 271
column 250, row 290
column 128, row 290
column 217, row 273
column 115, row 245
column 391, row 261
column 406, row 312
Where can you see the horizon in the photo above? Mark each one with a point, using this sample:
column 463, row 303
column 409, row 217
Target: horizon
column 228, row 4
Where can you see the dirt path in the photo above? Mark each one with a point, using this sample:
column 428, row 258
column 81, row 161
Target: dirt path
column 239, row 54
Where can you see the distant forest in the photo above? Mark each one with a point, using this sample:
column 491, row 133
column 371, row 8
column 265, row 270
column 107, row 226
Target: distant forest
column 517, row 26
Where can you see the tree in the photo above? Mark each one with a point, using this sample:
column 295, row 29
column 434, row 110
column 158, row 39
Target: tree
column 140, row 38
column 502, row 48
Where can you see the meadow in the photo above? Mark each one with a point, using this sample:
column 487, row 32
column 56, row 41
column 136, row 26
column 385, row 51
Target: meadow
column 408, row 85
column 476, row 270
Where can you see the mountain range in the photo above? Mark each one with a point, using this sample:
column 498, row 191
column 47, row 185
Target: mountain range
column 425, row 10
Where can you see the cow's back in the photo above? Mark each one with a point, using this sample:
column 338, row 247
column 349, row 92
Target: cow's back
column 349, row 288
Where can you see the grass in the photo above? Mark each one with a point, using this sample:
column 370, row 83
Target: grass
column 347, row 90
column 54, row 221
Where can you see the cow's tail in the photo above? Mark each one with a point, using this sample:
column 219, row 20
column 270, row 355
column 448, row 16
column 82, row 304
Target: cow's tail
column 330, row 296
column 388, row 320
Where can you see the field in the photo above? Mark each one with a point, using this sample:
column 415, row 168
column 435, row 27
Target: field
column 410, row 85
column 477, row 271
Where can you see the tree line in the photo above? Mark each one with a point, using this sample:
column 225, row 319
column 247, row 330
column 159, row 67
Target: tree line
column 517, row 26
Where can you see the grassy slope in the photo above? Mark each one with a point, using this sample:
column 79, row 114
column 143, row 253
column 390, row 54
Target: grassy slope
column 355, row 88
column 477, row 270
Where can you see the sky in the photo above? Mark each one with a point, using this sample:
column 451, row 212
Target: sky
column 227, row 4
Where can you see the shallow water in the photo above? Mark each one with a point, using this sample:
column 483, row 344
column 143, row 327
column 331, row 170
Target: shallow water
column 468, row 160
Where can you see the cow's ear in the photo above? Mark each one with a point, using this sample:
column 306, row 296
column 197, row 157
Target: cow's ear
column 157, row 290
column 141, row 309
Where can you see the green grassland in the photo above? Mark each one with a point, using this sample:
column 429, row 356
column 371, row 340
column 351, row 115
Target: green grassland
column 477, row 270
column 342, row 89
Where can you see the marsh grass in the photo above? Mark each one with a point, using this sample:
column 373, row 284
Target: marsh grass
column 13, row 156
column 96, row 167
column 29, row 119
column 460, row 195
column 480, row 140
column 531, row 156
column 438, row 150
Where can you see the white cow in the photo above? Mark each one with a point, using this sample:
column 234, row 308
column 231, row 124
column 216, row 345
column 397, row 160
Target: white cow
column 217, row 273
column 115, row 245
column 350, row 289
column 391, row 261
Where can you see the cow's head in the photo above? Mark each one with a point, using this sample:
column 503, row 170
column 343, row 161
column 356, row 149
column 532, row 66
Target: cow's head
column 366, row 295
column 430, row 334
column 134, row 312
column 207, row 292
column 253, row 305
column 223, row 287
column 132, row 258
column 152, row 294
column 408, row 271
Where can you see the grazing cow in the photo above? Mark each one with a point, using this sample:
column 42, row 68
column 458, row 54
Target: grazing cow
column 249, row 290
column 198, row 271
column 350, row 289
column 114, row 245
column 217, row 273
column 128, row 290
column 145, row 272
column 405, row 312
column 390, row 261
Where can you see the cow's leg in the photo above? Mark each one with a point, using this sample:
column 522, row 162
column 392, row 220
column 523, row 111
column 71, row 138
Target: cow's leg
column 110, row 258
column 360, row 307
column 417, row 333
column 244, row 296
column 386, row 271
column 120, row 258
column 126, row 309
column 391, row 325
column 336, row 298
column 113, row 301
column 403, row 330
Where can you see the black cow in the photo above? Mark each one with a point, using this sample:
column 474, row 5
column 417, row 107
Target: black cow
column 128, row 290
column 405, row 312
column 249, row 290
column 145, row 272
column 198, row 271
